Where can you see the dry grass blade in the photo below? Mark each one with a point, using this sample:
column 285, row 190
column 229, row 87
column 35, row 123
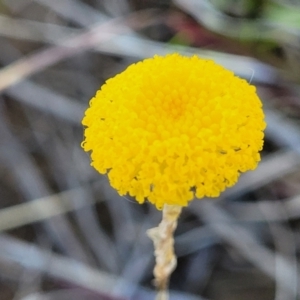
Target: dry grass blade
column 134, row 46
column 66, row 269
column 282, row 131
column 34, row 63
column 249, row 212
column 33, row 30
column 31, row 184
column 208, row 14
column 75, row 10
column 284, row 239
column 271, row 168
column 48, row 101
column 73, row 272
column 40, row 209
column 223, row 225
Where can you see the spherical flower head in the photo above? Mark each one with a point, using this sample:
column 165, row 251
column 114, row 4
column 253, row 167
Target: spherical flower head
column 171, row 128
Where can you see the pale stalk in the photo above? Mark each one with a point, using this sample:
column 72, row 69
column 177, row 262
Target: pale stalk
column 163, row 240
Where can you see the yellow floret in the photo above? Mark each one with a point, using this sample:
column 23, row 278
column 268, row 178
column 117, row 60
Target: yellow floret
column 170, row 128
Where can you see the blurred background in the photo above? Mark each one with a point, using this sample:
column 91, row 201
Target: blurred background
column 65, row 234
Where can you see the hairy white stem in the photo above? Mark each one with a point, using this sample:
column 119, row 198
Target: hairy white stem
column 163, row 240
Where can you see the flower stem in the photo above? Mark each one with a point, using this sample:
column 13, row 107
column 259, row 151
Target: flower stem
column 163, row 240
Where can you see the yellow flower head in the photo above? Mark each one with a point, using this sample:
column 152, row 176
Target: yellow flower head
column 170, row 128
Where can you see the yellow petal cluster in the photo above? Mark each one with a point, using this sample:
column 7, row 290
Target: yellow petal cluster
column 170, row 128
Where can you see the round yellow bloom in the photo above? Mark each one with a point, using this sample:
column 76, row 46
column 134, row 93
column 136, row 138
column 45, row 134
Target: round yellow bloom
column 170, row 128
